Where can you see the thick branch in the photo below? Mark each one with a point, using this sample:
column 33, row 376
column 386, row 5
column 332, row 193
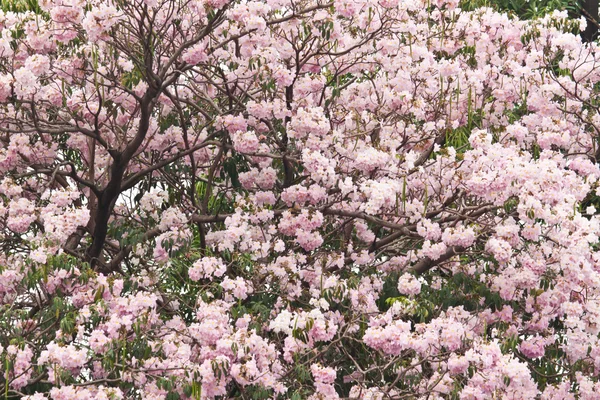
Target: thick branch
column 427, row 263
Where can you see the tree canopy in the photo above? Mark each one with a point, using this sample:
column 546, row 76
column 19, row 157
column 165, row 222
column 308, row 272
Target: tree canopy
column 366, row 199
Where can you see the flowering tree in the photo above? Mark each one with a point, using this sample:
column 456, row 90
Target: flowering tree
column 365, row 199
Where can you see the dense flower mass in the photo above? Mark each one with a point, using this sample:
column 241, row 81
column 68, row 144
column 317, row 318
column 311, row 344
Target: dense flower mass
column 367, row 199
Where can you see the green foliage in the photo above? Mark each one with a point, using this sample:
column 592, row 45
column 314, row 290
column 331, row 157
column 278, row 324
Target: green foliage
column 525, row 9
column 20, row 6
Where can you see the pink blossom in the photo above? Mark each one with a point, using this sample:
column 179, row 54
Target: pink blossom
column 207, row 268
column 409, row 285
column 245, row 142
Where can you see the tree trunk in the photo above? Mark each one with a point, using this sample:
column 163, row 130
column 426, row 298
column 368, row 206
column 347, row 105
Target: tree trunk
column 589, row 9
